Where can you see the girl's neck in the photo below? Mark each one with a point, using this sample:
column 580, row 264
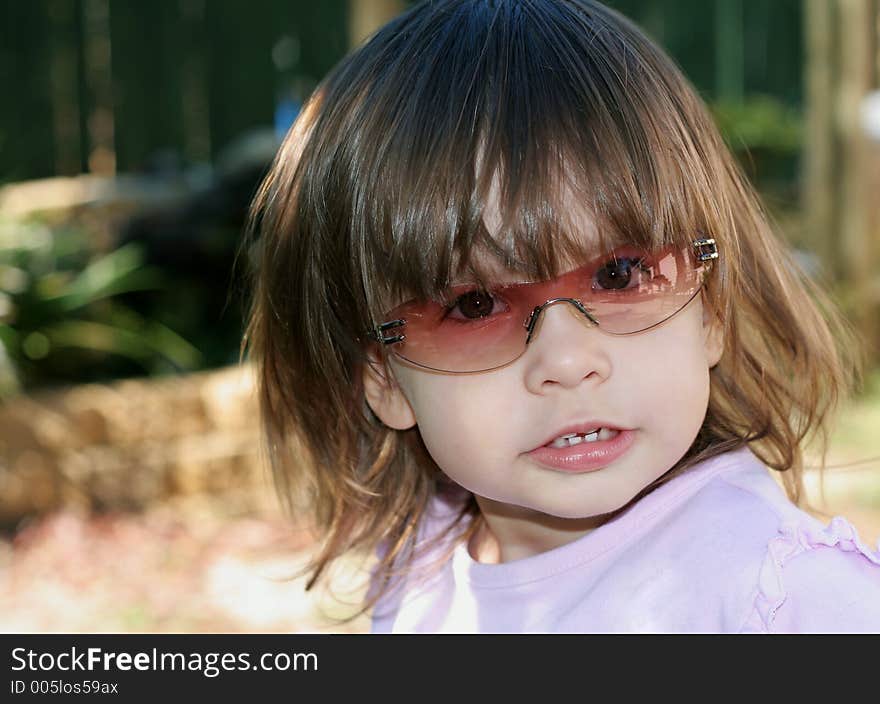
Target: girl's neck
column 509, row 533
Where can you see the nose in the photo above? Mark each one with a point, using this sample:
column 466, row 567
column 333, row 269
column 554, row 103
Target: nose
column 565, row 347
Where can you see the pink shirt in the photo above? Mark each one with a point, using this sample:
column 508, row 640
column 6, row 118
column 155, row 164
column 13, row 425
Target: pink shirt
column 719, row 549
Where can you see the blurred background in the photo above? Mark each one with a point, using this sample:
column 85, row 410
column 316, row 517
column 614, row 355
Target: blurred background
column 132, row 137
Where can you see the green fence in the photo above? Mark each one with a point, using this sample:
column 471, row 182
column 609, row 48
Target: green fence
column 89, row 84
column 104, row 85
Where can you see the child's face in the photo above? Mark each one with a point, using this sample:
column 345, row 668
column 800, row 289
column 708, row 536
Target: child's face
column 482, row 429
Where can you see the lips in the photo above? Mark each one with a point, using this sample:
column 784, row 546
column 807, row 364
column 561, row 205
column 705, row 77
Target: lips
column 586, row 455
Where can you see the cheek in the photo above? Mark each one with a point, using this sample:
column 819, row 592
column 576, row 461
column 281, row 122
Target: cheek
column 462, row 422
column 676, row 383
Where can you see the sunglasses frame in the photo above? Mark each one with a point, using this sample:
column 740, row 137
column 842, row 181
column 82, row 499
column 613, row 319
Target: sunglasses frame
column 705, row 252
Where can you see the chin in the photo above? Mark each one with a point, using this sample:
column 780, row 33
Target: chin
column 599, row 511
column 578, row 513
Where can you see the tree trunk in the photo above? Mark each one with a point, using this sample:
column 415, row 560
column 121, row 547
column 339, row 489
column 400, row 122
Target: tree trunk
column 840, row 180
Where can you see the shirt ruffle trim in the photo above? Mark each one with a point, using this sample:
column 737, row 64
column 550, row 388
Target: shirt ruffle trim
column 794, row 539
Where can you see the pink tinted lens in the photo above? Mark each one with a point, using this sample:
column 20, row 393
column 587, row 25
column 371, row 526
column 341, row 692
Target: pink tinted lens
column 434, row 338
column 626, row 291
column 631, row 291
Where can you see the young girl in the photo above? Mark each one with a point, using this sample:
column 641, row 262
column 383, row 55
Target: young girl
column 522, row 331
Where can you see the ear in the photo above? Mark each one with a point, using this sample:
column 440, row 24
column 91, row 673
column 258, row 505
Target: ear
column 713, row 336
column 385, row 397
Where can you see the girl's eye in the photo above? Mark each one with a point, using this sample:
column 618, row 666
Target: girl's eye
column 619, row 273
column 474, row 305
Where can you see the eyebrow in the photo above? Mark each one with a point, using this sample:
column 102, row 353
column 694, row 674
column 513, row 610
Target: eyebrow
column 489, row 273
column 490, row 283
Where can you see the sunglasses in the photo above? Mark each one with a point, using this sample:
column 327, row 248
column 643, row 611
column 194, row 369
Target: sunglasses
column 478, row 329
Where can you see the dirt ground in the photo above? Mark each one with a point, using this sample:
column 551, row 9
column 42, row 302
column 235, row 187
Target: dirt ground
column 187, row 568
column 173, row 569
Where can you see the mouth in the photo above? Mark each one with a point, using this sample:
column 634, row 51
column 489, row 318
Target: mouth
column 595, row 435
column 595, row 430
column 584, row 447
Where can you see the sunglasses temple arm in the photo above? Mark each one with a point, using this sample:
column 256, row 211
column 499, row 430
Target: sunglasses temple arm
column 378, row 333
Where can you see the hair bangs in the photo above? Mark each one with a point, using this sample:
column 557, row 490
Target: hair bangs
column 525, row 141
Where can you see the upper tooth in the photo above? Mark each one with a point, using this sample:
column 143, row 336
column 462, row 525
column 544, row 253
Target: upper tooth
column 577, row 438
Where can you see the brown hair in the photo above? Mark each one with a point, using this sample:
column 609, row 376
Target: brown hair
column 379, row 192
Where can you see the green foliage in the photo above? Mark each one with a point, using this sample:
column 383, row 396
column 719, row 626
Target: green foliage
column 760, row 122
column 61, row 317
column 766, row 136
